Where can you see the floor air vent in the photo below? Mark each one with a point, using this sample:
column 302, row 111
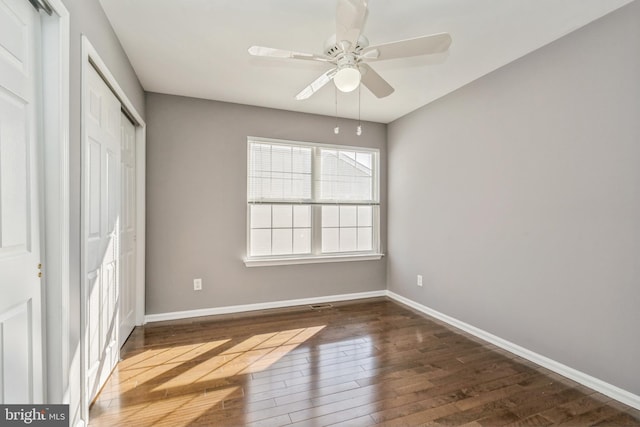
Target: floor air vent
column 320, row 306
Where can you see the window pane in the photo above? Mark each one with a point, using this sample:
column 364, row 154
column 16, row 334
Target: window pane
column 302, row 216
column 365, row 238
column 362, row 186
column 345, row 175
column 354, row 225
column 326, row 189
column 302, row 240
column 279, row 172
column 365, row 159
column 282, row 241
column 259, row 164
column 282, row 216
column 281, row 158
column 264, row 186
column 330, row 216
column 348, row 239
column 346, row 163
column 330, row 240
column 365, row 216
column 343, row 187
column 348, row 215
column 301, row 160
column 260, row 157
column 260, row 216
column 299, row 185
column 277, row 185
column 329, row 162
column 260, row 242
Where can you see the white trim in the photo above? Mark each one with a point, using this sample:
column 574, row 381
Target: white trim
column 265, row 262
column 596, row 384
column 55, row 88
column 313, row 201
column 261, row 306
column 89, row 55
column 141, row 224
column 311, row 144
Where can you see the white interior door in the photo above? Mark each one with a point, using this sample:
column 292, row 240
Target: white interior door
column 101, row 230
column 21, row 358
column 128, row 230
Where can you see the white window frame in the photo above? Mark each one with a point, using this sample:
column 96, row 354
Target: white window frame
column 316, row 255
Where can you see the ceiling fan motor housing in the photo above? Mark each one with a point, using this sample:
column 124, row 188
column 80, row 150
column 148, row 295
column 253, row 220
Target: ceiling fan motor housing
column 347, row 61
column 333, row 49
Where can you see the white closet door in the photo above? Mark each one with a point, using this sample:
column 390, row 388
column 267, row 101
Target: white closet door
column 101, row 230
column 128, row 230
column 21, row 364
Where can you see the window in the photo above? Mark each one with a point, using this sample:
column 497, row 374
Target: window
column 309, row 202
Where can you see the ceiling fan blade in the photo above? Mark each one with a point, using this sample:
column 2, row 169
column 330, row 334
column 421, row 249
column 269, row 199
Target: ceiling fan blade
column 317, row 84
column 270, row 52
column 350, row 18
column 425, row 45
column 376, row 84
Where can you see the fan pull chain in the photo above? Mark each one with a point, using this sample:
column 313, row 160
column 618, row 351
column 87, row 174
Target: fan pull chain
column 359, row 128
column 336, row 129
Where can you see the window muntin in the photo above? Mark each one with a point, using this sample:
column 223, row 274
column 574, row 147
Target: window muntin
column 311, row 200
column 347, row 228
column 279, row 229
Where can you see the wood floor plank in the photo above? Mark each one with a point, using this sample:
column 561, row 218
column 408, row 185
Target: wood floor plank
column 619, row 420
column 365, row 363
column 592, row 417
column 566, row 411
column 536, row 420
column 421, row 417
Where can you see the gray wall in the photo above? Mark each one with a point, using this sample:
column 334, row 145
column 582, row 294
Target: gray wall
column 88, row 18
column 518, row 199
column 197, row 202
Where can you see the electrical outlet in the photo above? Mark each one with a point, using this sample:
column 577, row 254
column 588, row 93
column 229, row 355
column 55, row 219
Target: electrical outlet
column 197, row 284
column 419, row 282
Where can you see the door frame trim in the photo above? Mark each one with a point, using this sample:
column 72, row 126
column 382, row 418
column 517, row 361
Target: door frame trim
column 55, row 39
column 91, row 57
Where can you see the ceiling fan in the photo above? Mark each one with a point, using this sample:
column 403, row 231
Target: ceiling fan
column 349, row 52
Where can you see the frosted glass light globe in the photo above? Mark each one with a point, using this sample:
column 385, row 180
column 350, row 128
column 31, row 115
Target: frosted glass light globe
column 347, row 79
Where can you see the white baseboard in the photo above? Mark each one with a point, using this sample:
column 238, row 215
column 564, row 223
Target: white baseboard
column 260, row 306
column 596, row 384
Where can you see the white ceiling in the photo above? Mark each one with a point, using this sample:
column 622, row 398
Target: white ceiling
column 198, row 48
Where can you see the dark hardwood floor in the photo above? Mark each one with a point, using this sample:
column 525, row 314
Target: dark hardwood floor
column 366, row 363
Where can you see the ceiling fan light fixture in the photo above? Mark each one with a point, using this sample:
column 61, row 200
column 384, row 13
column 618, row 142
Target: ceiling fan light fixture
column 349, row 51
column 347, row 79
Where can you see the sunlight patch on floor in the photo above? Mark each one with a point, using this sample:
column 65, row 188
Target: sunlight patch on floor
column 175, row 386
column 175, row 411
column 255, row 354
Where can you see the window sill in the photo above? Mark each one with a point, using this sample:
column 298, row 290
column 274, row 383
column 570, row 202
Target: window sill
column 266, row 262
